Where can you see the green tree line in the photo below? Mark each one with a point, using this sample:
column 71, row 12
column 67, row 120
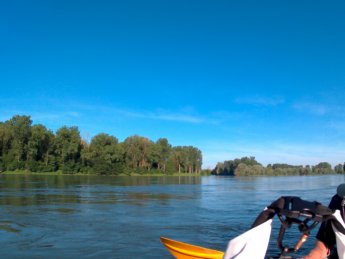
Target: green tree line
column 248, row 166
column 24, row 146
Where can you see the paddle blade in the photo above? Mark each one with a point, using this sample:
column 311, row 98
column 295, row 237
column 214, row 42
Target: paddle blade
column 250, row 244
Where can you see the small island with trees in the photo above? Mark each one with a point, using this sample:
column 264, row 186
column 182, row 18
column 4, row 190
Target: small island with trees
column 27, row 148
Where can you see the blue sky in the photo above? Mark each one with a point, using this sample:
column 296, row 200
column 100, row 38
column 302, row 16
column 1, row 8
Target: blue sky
column 233, row 78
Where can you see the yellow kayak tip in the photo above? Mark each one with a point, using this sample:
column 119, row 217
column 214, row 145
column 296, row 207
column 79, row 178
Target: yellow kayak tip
column 182, row 250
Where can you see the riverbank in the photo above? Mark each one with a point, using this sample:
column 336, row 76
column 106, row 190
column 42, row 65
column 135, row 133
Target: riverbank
column 26, row 172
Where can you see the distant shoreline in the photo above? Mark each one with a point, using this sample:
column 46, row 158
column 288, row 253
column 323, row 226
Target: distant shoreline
column 59, row 173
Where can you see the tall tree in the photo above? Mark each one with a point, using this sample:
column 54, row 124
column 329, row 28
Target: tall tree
column 178, row 158
column 137, row 152
column 164, row 152
column 339, row 169
column 20, row 129
column 5, row 146
column 68, row 147
column 322, row 168
column 187, row 159
column 104, row 154
column 39, row 146
column 5, row 139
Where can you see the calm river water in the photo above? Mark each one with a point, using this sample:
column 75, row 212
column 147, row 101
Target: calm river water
column 123, row 217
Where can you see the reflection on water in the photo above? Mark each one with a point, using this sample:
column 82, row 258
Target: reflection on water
column 63, row 210
column 26, row 181
column 123, row 217
column 9, row 226
column 22, row 190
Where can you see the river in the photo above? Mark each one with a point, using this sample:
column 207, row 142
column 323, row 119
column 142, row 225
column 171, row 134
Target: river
column 123, row 217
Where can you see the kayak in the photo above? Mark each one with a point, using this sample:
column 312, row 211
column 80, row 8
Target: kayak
column 182, row 250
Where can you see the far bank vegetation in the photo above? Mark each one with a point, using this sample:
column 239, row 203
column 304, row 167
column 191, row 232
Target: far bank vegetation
column 34, row 148
column 247, row 166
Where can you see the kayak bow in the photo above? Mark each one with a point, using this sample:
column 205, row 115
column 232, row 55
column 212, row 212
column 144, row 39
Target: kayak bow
column 182, row 250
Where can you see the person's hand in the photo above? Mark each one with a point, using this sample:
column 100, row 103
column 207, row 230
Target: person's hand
column 320, row 251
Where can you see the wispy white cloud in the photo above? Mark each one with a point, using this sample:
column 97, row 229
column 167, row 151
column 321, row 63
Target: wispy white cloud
column 162, row 115
column 313, row 108
column 177, row 117
column 187, row 115
column 53, row 116
column 260, row 100
column 338, row 125
column 67, row 110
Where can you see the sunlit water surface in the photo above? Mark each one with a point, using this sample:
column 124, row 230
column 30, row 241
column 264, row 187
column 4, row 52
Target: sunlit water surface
column 123, row 217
